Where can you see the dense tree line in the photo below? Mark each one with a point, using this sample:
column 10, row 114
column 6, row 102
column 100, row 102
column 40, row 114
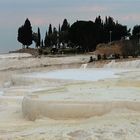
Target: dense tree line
column 57, row 37
column 82, row 35
column 88, row 34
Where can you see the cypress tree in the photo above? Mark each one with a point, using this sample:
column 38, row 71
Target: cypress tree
column 46, row 39
column 42, row 44
column 50, row 30
column 20, row 37
column 25, row 33
column 39, row 38
column 65, row 26
column 54, row 37
column 63, row 36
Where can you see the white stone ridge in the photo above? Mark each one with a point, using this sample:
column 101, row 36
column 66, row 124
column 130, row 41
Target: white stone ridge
column 125, row 64
column 15, row 55
column 33, row 108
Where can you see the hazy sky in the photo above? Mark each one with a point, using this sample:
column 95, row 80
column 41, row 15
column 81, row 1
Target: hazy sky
column 43, row 12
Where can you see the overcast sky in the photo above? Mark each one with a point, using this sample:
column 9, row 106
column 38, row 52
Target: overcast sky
column 43, row 12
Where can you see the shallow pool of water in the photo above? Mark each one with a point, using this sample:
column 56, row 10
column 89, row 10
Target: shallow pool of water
column 88, row 74
column 1, row 92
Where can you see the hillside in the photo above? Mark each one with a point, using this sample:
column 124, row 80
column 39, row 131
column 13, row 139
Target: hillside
column 122, row 47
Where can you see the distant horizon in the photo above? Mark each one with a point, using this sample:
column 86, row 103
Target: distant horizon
column 41, row 13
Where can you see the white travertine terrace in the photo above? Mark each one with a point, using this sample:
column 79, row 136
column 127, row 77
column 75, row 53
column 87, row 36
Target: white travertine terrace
column 33, row 108
column 63, row 109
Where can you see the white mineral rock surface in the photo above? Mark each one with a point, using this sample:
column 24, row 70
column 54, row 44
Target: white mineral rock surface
column 63, row 102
